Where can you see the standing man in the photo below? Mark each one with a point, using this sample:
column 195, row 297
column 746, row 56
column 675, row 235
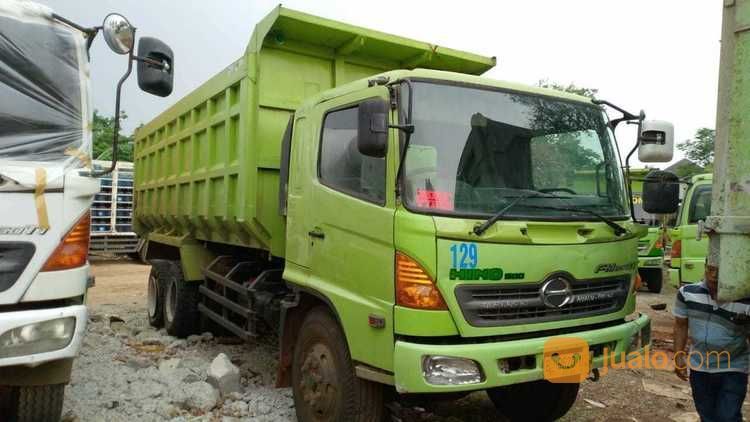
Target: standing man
column 719, row 353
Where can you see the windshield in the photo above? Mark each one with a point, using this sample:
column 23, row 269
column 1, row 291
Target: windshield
column 41, row 112
column 474, row 150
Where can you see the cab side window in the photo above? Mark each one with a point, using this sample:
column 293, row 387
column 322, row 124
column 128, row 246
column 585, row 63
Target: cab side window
column 342, row 167
column 700, row 206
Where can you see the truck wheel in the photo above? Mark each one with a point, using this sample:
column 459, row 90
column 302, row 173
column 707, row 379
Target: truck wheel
column 37, row 403
column 181, row 316
column 155, row 293
column 534, row 401
column 653, row 278
column 323, row 381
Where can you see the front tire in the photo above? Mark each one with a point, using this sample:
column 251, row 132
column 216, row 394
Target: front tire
column 36, row 403
column 181, row 316
column 653, row 278
column 323, row 381
column 541, row 401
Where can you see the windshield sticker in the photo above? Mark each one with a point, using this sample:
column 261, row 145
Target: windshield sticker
column 434, row 199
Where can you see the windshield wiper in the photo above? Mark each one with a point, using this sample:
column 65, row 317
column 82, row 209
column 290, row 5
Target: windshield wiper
column 618, row 229
column 481, row 228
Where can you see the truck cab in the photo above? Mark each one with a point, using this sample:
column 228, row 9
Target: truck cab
column 689, row 250
column 46, row 188
column 406, row 251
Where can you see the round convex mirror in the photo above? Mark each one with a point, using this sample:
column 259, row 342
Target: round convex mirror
column 118, row 33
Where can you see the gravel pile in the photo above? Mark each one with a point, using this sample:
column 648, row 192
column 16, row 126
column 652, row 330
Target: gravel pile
column 127, row 371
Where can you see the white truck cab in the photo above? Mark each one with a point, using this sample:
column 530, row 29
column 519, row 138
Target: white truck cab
column 46, row 189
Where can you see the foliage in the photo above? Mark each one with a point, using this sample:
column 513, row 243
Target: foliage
column 571, row 87
column 700, row 149
column 562, row 129
column 103, row 130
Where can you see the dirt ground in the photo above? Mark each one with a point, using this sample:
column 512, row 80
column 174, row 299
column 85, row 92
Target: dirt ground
column 620, row 395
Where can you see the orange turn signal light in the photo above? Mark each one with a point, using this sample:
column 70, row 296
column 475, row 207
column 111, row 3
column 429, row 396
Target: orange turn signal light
column 414, row 287
column 73, row 250
column 676, row 249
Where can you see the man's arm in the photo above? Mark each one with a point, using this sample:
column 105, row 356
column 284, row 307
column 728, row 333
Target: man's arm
column 680, row 343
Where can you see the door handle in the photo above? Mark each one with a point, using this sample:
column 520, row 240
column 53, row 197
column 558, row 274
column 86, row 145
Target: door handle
column 317, row 233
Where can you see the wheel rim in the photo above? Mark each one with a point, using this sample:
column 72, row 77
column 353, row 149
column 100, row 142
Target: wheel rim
column 318, row 382
column 170, row 302
column 152, row 297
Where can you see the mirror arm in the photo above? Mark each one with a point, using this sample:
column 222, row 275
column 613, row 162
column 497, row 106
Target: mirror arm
column 90, row 32
column 627, row 168
column 408, row 129
column 57, row 17
column 116, row 134
column 626, row 115
column 91, row 36
column 156, row 63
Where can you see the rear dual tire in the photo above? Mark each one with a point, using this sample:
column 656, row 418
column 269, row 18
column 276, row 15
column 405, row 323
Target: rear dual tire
column 172, row 302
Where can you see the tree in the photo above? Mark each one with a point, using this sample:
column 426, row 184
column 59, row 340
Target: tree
column 571, row 87
column 700, row 149
column 103, row 130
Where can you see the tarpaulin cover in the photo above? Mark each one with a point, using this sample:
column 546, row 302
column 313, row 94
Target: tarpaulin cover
column 44, row 112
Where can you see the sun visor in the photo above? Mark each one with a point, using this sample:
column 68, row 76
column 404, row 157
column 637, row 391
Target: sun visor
column 45, row 117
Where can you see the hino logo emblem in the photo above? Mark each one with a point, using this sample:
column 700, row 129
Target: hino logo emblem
column 30, row 229
column 556, row 292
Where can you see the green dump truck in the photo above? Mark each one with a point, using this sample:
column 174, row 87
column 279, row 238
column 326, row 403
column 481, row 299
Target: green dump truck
column 400, row 223
column 650, row 247
column 689, row 250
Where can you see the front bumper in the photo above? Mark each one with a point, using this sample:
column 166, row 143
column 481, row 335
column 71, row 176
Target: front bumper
column 408, row 357
column 11, row 320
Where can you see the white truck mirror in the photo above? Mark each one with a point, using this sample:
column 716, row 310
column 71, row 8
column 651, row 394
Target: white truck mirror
column 657, row 142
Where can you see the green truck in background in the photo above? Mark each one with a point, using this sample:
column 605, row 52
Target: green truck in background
column 651, row 246
column 402, row 224
column 689, row 250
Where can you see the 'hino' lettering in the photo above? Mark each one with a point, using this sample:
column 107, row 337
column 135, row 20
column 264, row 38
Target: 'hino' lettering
column 476, row 274
column 30, row 229
column 612, row 267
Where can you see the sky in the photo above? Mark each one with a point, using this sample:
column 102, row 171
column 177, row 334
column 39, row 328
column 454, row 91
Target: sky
column 660, row 56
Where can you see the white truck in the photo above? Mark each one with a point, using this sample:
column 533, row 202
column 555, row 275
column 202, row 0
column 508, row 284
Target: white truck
column 46, row 189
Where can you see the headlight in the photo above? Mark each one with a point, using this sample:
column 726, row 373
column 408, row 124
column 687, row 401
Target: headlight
column 445, row 370
column 39, row 337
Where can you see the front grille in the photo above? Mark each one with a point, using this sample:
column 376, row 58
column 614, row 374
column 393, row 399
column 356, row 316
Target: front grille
column 500, row 305
column 643, row 247
column 14, row 256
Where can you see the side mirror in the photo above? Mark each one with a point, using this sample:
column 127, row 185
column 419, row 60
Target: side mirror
column 372, row 133
column 657, row 142
column 155, row 67
column 661, row 192
column 118, row 33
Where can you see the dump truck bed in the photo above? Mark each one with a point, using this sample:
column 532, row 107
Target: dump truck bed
column 208, row 167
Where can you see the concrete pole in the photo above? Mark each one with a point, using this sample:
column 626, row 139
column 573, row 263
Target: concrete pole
column 729, row 224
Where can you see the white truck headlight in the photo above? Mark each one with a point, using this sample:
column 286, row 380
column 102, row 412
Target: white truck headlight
column 446, row 370
column 39, row 337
